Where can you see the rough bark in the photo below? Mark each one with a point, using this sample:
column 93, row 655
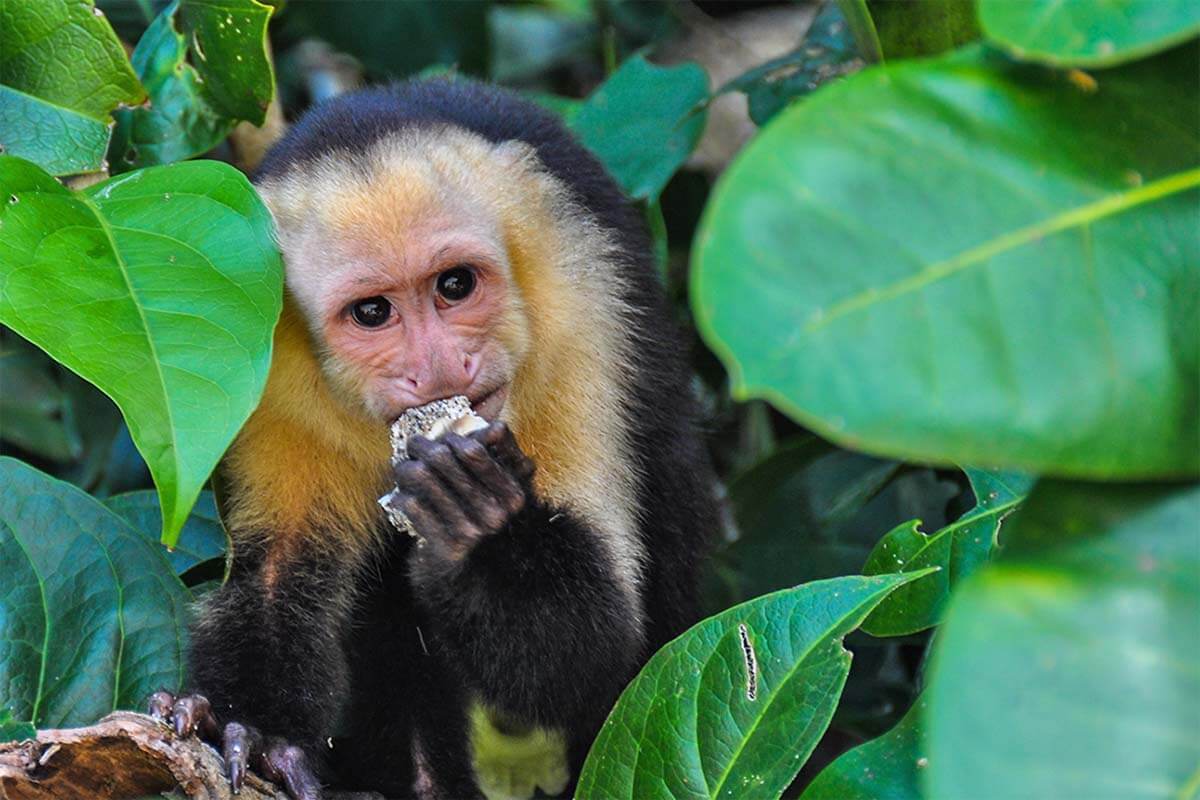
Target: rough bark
column 122, row 757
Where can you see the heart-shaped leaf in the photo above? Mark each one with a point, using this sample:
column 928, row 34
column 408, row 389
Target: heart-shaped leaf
column 1086, row 34
column 734, row 706
column 202, row 539
column 969, row 261
column 885, row 768
column 1070, row 666
column 162, row 287
column 957, row 550
column 62, row 72
column 643, row 122
column 92, row 617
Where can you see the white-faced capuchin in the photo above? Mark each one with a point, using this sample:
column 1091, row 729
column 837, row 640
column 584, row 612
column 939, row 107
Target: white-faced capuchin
column 443, row 238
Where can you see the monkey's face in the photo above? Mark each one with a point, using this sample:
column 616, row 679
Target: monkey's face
column 406, row 285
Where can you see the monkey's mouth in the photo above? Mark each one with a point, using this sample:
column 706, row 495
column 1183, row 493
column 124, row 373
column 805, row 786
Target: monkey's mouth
column 491, row 404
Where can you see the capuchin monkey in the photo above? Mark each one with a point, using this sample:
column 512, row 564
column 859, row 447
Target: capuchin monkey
column 444, row 237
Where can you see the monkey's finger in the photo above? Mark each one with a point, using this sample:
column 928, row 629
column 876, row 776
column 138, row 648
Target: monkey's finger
column 189, row 713
column 445, row 543
column 287, row 764
column 159, row 704
column 499, row 439
column 419, row 478
column 504, row 488
column 439, row 457
column 239, row 745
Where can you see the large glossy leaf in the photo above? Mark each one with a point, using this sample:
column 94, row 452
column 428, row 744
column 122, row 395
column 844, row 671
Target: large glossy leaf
column 643, row 122
column 1088, row 33
column 957, row 550
column 734, row 706
column 62, row 72
column 202, row 538
column 972, row 261
column 885, row 768
column 92, row 617
column 1070, row 667
column 162, row 287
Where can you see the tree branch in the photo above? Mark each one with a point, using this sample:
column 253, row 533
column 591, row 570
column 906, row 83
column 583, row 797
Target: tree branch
column 123, row 756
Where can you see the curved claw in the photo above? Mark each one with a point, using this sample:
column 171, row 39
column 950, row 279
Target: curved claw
column 240, row 744
column 158, row 705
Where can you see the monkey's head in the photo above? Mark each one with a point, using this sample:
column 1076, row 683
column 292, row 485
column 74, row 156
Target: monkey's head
column 399, row 261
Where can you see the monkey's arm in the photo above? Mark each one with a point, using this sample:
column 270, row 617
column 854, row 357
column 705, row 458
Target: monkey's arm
column 520, row 592
column 266, row 666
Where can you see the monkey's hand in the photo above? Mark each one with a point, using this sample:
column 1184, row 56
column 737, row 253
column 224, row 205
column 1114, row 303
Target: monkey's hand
column 242, row 746
column 457, row 490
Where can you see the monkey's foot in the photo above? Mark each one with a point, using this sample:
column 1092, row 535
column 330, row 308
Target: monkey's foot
column 242, row 746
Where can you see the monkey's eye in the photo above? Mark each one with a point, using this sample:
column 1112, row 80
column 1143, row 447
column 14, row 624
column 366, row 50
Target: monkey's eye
column 371, row 312
column 456, row 284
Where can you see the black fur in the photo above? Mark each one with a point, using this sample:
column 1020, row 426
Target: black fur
column 531, row 621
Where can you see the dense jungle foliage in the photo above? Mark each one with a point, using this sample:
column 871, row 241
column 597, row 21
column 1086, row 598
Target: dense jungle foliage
column 942, row 264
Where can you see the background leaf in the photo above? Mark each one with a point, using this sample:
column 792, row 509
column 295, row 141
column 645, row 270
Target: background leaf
column 176, row 286
column 643, row 122
column 885, row 768
column 829, row 50
column 957, row 550
column 13, row 730
column 201, row 539
column 813, row 511
column 62, row 72
column 1067, row 668
column 830, row 282
column 1088, row 34
column 228, row 40
column 923, row 27
column 92, row 618
column 700, row 721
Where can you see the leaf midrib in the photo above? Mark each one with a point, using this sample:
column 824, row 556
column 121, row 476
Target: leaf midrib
column 162, row 381
column 1077, row 217
column 788, row 676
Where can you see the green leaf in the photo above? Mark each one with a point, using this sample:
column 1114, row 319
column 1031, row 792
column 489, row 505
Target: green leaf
column 1070, row 667
column 957, row 550
column 62, row 72
column 92, row 618
column 965, row 260
column 397, row 38
column 733, row 707
column 924, row 28
column 228, row 40
column 1089, row 34
column 528, row 41
column 643, row 122
column 812, row 511
column 13, row 730
column 202, row 539
column 829, row 50
column 175, row 287
column 886, row 768
column 31, row 403
column 193, row 108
